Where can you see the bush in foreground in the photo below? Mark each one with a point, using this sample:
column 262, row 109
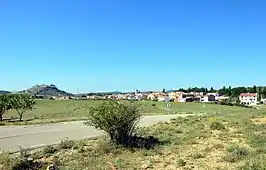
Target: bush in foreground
column 120, row 121
column 117, row 119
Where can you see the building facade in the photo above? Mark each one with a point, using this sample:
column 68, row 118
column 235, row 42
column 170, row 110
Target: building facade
column 249, row 99
column 208, row 98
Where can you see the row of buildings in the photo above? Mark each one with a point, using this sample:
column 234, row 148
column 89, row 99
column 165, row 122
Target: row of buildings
column 163, row 97
column 249, row 99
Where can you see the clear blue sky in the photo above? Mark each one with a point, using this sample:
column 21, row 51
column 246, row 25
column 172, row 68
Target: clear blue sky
column 124, row 45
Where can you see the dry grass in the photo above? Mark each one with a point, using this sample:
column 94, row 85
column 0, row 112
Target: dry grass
column 52, row 111
column 236, row 142
column 260, row 120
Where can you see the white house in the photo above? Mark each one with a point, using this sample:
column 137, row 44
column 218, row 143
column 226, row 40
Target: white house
column 249, row 99
column 208, row 98
column 214, row 94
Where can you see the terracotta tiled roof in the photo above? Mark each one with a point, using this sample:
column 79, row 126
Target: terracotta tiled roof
column 248, row 94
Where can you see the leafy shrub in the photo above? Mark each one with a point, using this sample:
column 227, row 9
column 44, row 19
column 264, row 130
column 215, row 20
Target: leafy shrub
column 229, row 103
column 216, row 125
column 181, row 162
column 25, row 164
column 25, row 161
column 66, row 144
column 24, row 152
column 79, row 145
column 5, row 160
column 12, row 162
column 49, row 150
column 2, row 124
column 255, row 164
column 119, row 120
column 236, row 153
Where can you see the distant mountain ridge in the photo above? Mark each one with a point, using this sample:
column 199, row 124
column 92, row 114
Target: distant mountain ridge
column 4, row 92
column 99, row 93
column 46, row 90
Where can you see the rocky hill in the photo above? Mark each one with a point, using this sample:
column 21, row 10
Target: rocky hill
column 4, row 92
column 46, row 90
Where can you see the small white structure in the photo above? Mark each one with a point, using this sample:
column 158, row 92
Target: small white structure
column 208, row 98
column 214, row 94
column 182, row 100
column 263, row 101
column 121, row 97
column 163, row 99
column 223, row 97
column 249, row 99
column 139, row 96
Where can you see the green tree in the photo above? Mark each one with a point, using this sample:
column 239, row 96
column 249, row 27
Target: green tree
column 259, row 93
column 196, row 89
column 263, row 93
column 163, row 91
column 237, row 100
column 5, row 105
column 229, row 91
column 222, row 91
column 254, row 89
column 118, row 120
column 182, row 90
column 21, row 103
column 238, row 90
column 212, row 90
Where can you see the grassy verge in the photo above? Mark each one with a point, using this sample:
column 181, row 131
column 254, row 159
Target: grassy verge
column 229, row 140
column 42, row 121
column 53, row 111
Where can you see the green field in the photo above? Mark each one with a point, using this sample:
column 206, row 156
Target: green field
column 49, row 111
column 225, row 138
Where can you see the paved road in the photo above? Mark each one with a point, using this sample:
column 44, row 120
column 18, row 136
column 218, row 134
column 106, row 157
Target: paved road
column 11, row 137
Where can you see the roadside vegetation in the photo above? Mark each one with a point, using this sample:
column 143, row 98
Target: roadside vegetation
column 120, row 122
column 19, row 103
column 53, row 111
column 232, row 139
